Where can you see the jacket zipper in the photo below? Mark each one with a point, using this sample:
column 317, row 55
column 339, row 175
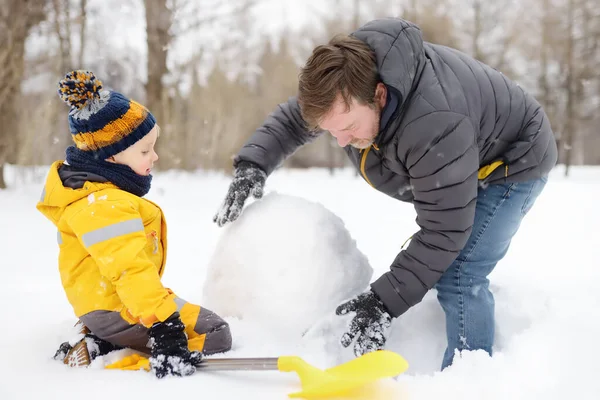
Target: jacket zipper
column 163, row 238
column 363, row 162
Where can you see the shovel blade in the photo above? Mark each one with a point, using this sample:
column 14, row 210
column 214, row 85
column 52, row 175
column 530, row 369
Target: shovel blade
column 343, row 378
column 373, row 365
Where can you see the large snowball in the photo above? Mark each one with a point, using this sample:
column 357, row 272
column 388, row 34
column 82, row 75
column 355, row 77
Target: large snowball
column 285, row 263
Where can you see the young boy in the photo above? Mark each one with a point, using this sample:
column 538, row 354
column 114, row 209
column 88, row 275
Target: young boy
column 113, row 242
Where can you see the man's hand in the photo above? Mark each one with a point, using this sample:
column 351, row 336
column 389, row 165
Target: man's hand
column 169, row 352
column 369, row 323
column 247, row 179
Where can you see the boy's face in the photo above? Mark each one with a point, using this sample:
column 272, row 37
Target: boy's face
column 140, row 157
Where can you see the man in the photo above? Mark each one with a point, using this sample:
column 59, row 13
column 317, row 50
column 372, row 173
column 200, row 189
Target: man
column 424, row 124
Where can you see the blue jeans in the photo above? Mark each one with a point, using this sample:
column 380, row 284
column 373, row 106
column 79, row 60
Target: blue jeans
column 463, row 291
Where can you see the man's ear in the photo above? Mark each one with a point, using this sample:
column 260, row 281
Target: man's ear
column 380, row 94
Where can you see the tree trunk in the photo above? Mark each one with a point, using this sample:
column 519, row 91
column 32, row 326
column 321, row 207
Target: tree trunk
column 356, row 17
column 158, row 23
column 2, row 181
column 82, row 30
column 17, row 17
column 543, row 82
column 477, row 30
column 62, row 28
column 570, row 117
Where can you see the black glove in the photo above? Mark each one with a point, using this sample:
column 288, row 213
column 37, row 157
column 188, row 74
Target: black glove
column 248, row 178
column 369, row 323
column 169, row 354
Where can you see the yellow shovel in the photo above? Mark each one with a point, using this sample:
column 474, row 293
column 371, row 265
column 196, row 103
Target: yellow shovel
column 316, row 383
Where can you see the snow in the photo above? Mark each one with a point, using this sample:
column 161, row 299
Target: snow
column 547, row 300
column 266, row 262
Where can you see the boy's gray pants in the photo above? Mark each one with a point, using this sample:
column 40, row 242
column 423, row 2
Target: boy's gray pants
column 110, row 326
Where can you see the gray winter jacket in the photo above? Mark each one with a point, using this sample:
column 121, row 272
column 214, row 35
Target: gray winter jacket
column 458, row 124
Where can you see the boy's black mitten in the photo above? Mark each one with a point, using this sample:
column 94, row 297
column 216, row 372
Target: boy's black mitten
column 169, row 354
column 369, row 323
column 248, row 179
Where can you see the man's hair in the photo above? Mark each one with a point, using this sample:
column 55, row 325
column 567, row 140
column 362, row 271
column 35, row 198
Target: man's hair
column 346, row 66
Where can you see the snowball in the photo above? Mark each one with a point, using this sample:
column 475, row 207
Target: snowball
column 284, row 263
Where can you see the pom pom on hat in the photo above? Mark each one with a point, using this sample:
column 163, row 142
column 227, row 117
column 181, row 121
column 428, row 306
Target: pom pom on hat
column 78, row 87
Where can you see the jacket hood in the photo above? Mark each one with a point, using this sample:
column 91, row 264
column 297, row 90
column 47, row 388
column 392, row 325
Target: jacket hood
column 398, row 47
column 56, row 196
column 76, row 179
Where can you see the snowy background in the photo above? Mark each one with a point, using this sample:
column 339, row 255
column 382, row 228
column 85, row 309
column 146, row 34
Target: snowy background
column 278, row 273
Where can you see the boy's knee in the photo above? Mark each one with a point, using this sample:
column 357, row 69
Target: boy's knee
column 111, row 327
column 218, row 334
column 218, row 340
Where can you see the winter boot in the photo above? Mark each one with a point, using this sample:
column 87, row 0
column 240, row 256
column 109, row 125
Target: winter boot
column 85, row 348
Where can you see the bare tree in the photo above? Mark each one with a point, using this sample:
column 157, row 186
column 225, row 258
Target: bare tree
column 62, row 28
column 433, row 19
column 568, row 81
column 225, row 113
column 570, row 87
column 158, row 23
column 62, row 21
column 589, row 88
column 204, row 119
column 548, row 85
column 17, row 17
column 477, row 29
column 82, row 31
column 543, row 81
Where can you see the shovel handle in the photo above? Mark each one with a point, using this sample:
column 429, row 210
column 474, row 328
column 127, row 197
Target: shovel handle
column 239, row 364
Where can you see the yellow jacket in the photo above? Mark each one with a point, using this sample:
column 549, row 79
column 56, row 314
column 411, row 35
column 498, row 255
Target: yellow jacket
column 112, row 249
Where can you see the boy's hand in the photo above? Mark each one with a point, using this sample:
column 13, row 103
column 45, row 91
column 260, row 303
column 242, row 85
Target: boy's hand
column 169, row 352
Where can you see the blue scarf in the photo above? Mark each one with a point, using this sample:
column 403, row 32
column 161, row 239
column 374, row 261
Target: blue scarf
column 121, row 175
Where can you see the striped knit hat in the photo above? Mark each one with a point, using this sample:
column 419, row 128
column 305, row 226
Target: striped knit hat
column 102, row 121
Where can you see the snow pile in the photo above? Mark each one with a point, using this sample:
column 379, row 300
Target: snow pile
column 284, row 264
column 547, row 299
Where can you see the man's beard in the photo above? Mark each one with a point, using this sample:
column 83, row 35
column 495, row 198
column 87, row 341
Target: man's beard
column 362, row 144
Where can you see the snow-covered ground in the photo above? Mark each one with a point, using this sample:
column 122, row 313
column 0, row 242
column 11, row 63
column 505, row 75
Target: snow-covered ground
column 278, row 273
